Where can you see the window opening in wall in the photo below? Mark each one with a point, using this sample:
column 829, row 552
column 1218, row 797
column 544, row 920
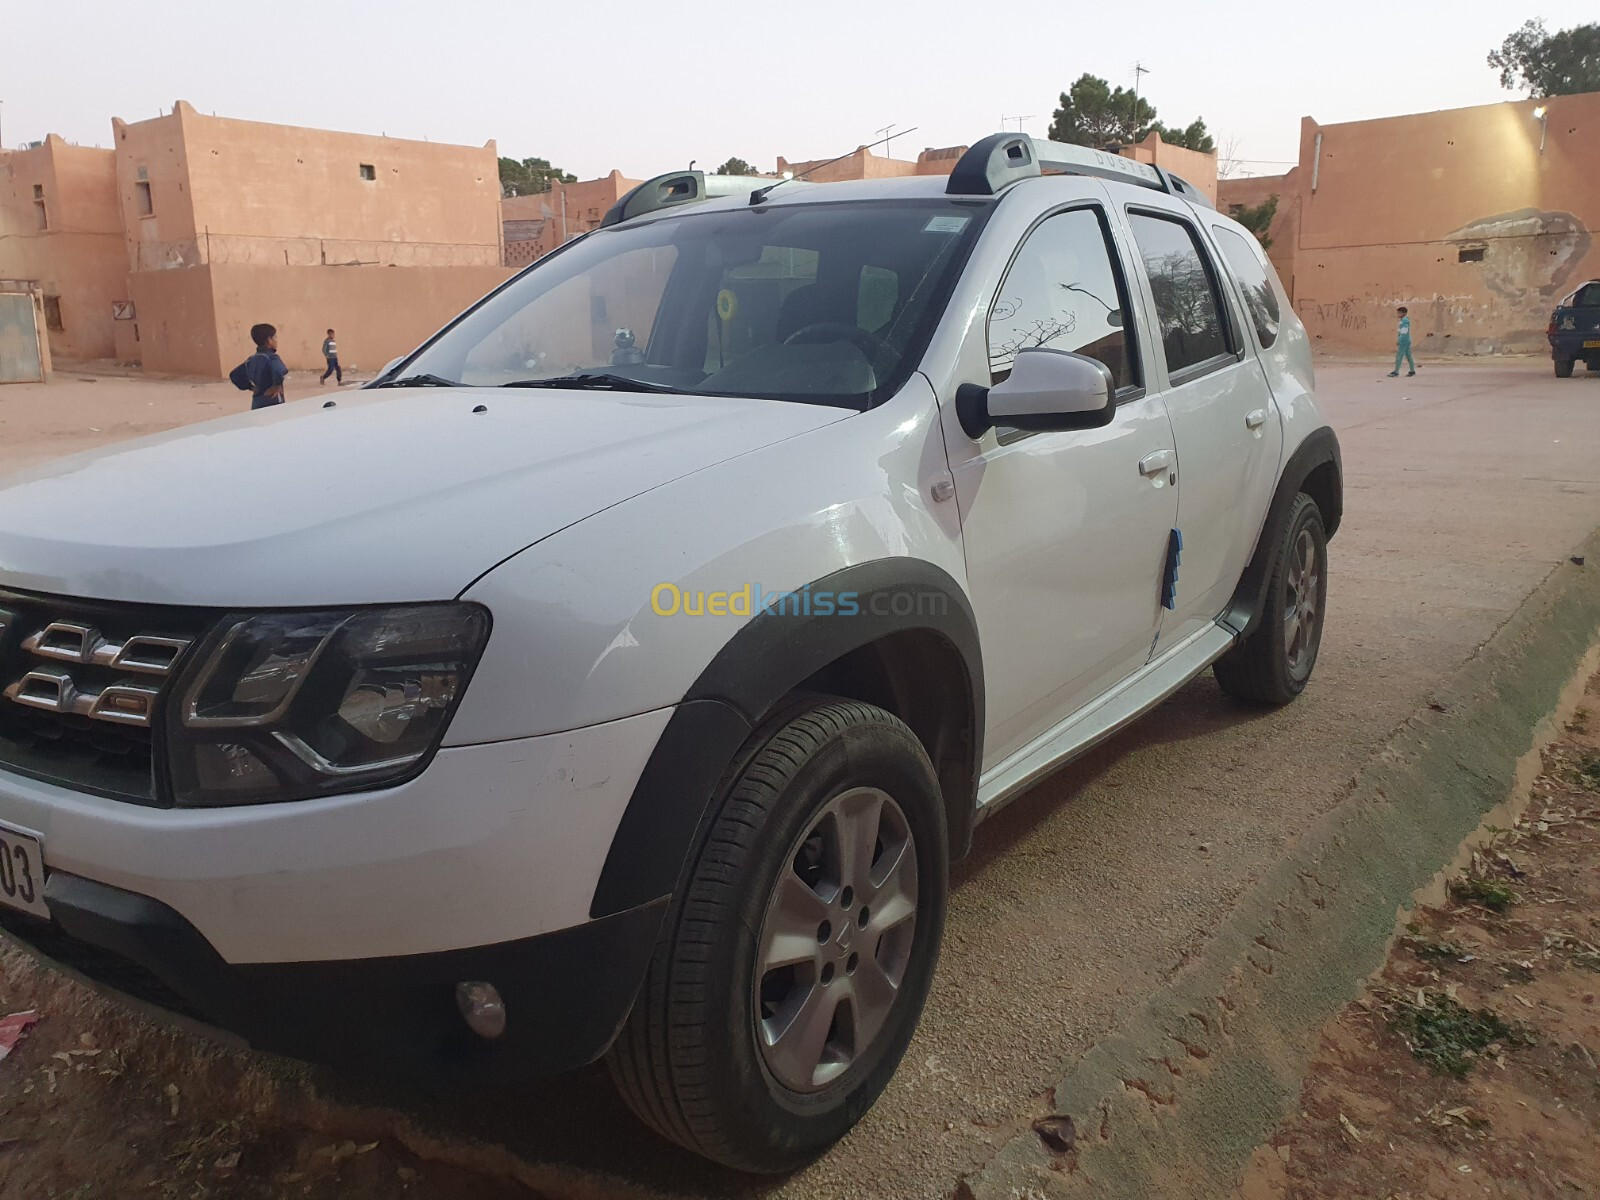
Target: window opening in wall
column 38, row 206
column 141, row 195
column 52, row 313
column 368, row 171
column 1470, row 254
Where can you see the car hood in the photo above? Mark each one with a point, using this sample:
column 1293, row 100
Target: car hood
column 386, row 495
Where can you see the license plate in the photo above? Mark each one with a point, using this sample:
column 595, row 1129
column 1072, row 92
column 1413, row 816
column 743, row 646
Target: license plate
column 22, row 871
column 1592, row 345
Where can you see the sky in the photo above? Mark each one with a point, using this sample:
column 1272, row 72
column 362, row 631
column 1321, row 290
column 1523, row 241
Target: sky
column 647, row 87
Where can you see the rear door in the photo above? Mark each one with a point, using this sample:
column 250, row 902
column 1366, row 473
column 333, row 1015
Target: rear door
column 1226, row 427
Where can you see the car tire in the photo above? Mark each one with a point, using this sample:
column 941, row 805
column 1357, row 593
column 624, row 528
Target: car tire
column 1564, row 368
column 1274, row 662
column 772, row 934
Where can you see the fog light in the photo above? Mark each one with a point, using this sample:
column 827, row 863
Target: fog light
column 481, row 1008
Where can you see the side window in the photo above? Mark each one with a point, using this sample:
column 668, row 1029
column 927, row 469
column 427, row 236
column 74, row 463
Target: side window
column 1187, row 305
column 1064, row 291
column 1259, row 297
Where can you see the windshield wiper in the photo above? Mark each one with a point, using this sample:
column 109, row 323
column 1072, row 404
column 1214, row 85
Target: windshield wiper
column 419, row 381
column 613, row 383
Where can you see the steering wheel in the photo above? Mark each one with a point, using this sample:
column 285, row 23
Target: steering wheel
column 869, row 343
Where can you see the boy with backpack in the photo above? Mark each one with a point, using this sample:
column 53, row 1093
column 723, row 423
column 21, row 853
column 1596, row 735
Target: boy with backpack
column 263, row 373
column 330, row 352
column 1402, row 349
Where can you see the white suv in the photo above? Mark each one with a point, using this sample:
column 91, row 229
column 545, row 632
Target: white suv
column 620, row 673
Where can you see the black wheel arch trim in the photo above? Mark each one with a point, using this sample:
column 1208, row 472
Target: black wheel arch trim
column 1316, row 459
column 773, row 655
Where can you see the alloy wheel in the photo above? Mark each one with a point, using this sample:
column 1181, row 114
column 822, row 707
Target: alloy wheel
column 836, row 939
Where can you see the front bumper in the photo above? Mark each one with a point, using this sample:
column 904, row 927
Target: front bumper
column 335, row 929
column 566, row 993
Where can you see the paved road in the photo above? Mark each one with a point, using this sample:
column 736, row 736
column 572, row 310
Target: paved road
column 1463, row 487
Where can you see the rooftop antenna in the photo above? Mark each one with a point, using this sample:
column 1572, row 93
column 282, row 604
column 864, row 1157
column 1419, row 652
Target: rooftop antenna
column 887, row 136
column 1139, row 71
column 1018, row 120
column 760, row 194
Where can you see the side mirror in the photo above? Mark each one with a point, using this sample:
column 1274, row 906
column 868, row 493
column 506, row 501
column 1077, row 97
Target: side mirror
column 1046, row 390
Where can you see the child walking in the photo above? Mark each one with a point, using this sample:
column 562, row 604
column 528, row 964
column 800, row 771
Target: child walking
column 1402, row 349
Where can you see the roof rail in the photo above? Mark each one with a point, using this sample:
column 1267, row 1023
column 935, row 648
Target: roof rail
column 1001, row 159
column 682, row 187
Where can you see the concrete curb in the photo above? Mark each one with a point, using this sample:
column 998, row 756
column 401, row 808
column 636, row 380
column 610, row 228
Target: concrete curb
column 1174, row 1104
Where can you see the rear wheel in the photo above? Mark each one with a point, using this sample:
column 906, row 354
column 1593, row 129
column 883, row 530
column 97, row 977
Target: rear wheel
column 795, row 961
column 1564, row 368
column 1272, row 665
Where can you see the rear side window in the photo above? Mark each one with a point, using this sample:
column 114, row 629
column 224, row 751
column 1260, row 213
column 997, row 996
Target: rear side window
column 1063, row 292
column 1259, row 297
column 1181, row 283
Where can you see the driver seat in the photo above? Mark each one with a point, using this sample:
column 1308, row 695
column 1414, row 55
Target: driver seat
column 810, row 304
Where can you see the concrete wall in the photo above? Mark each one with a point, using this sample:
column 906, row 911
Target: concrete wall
column 1460, row 215
column 78, row 259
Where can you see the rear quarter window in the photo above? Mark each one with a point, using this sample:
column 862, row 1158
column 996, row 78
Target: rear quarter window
column 1248, row 267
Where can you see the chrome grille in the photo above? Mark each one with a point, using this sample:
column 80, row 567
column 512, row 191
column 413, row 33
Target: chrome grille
column 81, row 688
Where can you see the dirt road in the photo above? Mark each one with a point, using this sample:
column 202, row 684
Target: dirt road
column 1463, row 487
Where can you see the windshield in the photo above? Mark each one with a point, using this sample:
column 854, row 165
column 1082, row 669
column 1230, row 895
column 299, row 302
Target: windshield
column 824, row 303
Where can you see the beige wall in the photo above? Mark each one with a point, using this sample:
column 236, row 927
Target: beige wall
column 1283, row 234
column 1384, row 211
column 226, row 191
column 78, row 259
column 1195, row 168
column 204, row 314
column 253, row 222
column 560, row 214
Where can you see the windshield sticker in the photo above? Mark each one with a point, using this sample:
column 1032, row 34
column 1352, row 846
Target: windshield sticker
column 945, row 224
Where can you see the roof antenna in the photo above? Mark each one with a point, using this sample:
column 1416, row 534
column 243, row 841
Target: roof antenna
column 760, row 194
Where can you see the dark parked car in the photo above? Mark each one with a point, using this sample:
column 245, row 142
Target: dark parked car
column 1575, row 330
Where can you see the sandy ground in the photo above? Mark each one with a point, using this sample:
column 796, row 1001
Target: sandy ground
column 79, row 411
column 1463, row 487
column 1468, row 1069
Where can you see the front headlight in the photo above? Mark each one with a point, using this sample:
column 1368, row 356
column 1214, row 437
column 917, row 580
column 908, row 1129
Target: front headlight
column 282, row 706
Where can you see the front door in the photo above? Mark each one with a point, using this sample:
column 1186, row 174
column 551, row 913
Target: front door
column 1065, row 533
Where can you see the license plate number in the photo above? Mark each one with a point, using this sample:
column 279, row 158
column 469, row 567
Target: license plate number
column 22, row 872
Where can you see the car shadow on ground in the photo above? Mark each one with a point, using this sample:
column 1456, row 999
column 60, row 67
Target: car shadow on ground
column 577, row 1120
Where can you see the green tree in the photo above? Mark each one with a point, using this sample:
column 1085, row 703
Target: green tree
column 1258, row 218
column 1093, row 113
column 530, row 176
column 1550, row 64
column 1194, row 136
column 735, row 166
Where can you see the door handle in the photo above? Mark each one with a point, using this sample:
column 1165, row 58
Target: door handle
column 1156, row 462
column 1255, row 419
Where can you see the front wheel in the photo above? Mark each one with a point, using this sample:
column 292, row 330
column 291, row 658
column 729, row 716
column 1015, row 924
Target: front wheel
column 1564, row 368
column 1272, row 665
column 795, row 960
